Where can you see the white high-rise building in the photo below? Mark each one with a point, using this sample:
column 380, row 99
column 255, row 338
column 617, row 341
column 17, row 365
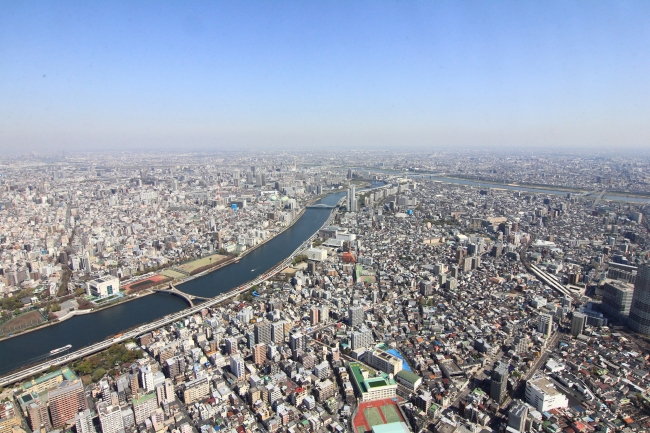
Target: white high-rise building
column 352, row 199
column 237, row 366
column 543, row 395
column 83, row 422
column 146, row 377
column 110, row 418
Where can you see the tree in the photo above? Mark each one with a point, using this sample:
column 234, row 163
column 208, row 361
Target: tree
column 98, row 374
column 55, row 307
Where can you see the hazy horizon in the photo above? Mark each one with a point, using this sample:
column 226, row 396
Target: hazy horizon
column 244, row 76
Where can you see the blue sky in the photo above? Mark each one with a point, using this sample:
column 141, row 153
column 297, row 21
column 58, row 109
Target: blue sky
column 346, row 74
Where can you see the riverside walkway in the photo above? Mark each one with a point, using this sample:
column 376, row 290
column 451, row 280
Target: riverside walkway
column 166, row 320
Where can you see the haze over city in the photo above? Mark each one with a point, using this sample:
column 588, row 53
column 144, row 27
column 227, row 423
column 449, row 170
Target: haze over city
column 269, row 75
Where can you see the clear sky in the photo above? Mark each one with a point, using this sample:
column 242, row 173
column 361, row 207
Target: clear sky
column 349, row 74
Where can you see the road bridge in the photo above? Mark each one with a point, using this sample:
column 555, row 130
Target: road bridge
column 172, row 290
column 320, row 206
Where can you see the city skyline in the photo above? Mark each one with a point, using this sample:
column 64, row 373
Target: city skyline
column 225, row 76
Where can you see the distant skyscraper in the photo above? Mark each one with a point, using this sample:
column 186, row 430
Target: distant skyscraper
column 356, row 315
column 577, row 323
column 640, row 311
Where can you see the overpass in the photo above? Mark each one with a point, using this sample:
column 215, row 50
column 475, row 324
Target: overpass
column 172, row 290
column 163, row 321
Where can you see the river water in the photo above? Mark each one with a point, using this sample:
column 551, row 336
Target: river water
column 81, row 331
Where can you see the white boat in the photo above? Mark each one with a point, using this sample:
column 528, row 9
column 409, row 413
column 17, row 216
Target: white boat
column 60, row 349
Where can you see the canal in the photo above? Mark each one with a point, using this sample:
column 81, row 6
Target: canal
column 81, row 331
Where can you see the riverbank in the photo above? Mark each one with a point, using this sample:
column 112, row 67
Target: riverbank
column 176, row 282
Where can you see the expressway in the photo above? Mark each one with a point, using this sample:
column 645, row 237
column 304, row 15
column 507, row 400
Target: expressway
column 166, row 320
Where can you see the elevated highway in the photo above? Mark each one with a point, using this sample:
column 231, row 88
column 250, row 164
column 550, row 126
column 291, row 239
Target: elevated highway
column 163, row 321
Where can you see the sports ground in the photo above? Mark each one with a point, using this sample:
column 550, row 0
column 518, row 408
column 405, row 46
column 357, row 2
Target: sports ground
column 146, row 283
column 376, row 412
column 212, row 260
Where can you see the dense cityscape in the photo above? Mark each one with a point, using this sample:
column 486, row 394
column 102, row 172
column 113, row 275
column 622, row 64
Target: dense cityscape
column 441, row 292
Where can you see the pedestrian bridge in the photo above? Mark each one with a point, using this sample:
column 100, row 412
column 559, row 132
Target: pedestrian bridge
column 172, row 290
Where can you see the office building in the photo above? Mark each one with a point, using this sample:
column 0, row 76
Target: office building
column 499, row 382
column 361, row 339
column 110, row 418
column 640, row 311
column 263, row 333
column 237, row 367
column 517, row 416
column 545, row 325
column 65, row 401
column 578, row 323
column 543, row 395
column 617, row 299
column 356, row 315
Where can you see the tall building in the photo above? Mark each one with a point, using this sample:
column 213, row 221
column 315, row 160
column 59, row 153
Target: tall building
column 313, row 315
column 545, row 325
column 578, row 323
column 640, row 310
column 196, row 390
column 174, row 366
column 352, row 199
column 259, row 354
column 277, row 332
column 617, row 299
column 356, row 315
column 146, row 378
column 143, row 406
column 385, row 361
column 323, row 314
column 499, row 382
column 38, row 416
column 297, row 341
column 543, row 395
column 361, row 338
column 237, row 367
column 110, row 418
column 517, row 416
column 65, row 401
column 83, row 421
column 263, row 333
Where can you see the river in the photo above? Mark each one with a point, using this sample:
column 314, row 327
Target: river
column 81, row 331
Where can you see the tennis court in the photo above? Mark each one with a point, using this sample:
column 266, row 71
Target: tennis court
column 391, row 414
column 373, row 417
